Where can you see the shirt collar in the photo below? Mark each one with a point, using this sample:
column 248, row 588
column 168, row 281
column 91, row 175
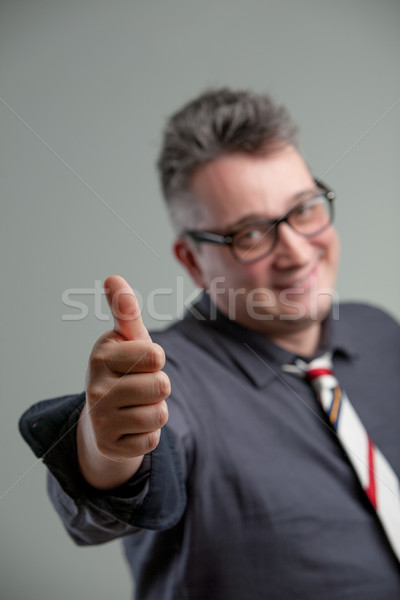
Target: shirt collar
column 338, row 335
column 254, row 354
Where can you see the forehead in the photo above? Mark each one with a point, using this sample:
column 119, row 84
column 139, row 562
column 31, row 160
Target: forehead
column 238, row 185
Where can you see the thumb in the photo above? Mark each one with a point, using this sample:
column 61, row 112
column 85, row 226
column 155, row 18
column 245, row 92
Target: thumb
column 125, row 309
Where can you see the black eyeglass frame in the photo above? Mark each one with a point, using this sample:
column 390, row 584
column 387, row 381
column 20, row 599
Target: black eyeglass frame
column 228, row 238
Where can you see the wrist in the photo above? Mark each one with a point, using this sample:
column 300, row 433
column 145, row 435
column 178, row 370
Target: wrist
column 98, row 470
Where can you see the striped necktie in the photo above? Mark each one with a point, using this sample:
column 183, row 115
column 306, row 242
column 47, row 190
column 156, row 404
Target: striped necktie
column 376, row 476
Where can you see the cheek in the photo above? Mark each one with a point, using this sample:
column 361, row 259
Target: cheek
column 249, row 277
column 216, row 263
column 333, row 248
column 329, row 246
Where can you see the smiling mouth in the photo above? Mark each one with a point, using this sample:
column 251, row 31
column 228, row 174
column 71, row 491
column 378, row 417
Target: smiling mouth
column 299, row 285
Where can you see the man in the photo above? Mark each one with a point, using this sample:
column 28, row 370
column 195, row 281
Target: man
column 215, row 464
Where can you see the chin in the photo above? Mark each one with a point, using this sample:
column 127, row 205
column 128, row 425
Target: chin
column 313, row 306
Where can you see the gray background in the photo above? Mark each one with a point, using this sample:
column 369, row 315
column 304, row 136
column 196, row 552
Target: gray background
column 86, row 87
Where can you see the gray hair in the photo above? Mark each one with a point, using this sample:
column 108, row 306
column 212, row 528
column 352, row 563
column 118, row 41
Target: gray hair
column 217, row 123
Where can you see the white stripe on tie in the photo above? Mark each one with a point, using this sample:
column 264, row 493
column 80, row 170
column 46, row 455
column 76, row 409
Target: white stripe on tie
column 376, row 476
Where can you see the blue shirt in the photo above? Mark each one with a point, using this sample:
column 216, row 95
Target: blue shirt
column 249, row 493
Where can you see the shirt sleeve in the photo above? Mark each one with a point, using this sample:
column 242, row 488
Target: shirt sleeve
column 155, row 498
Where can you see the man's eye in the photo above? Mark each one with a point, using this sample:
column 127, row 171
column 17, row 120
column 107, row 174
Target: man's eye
column 308, row 207
column 251, row 234
column 249, row 237
column 303, row 208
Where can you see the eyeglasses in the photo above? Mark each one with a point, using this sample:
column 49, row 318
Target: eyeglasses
column 256, row 240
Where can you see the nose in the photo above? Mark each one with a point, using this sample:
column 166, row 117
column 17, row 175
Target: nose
column 292, row 250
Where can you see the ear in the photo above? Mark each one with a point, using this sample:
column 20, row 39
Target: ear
column 188, row 257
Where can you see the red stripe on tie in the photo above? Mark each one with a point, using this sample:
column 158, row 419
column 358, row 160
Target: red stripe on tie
column 314, row 373
column 371, row 489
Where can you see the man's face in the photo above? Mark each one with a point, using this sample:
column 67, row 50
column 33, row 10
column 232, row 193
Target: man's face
column 288, row 289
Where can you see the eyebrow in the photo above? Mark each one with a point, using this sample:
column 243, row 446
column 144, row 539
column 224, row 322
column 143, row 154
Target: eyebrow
column 256, row 217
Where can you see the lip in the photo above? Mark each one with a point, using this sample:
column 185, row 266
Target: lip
column 302, row 283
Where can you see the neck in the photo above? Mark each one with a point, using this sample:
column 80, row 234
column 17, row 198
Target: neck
column 303, row 342
column 302, row 337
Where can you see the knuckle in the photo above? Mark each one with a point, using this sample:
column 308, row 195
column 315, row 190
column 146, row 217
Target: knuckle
column 100, row 422
column 105, row 442
column 162, row 385
column 97, row 360
column 135, row 445
column 95, row 392
column 160, row 414
column 156, row 357
column 151, row 440
column 165, row 413
column 97, row 417
column 103, row 446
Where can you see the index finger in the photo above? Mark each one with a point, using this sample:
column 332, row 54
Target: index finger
column 125, row 309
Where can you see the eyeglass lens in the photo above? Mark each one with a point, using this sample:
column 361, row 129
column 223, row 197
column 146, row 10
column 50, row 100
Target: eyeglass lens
column 308, row 218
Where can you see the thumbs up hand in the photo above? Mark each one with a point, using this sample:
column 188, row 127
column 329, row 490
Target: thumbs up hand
column 126, row 389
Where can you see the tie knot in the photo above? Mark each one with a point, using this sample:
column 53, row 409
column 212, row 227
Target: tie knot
column 315, row 372
column 312, row 370
column 320, row 375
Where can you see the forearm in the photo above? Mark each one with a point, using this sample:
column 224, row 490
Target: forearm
column 155, row 498
column 96, row 517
